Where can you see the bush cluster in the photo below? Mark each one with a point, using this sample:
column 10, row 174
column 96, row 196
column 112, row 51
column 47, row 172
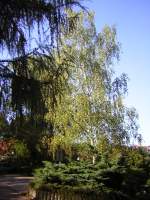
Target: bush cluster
column 122, row 177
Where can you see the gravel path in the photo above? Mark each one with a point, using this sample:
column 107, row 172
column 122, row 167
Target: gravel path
column 13, row 187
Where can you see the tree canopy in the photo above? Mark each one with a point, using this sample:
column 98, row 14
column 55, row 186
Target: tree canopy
column 21, row 19
column 79, row 70
column 92, row 110
column 29, row 31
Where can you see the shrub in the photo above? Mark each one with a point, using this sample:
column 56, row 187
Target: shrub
column 21, row 151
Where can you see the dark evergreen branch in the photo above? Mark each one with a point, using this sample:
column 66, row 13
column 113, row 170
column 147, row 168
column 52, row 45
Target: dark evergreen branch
column 20, row 57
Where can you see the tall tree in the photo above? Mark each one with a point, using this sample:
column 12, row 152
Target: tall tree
column 92, row 107
column 29, row 31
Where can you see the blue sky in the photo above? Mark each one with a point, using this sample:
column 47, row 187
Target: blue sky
column 132, row 21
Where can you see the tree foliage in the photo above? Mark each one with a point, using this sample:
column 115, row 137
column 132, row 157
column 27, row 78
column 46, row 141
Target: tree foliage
column 29, row 31
column 20, row 18
column 92, row 109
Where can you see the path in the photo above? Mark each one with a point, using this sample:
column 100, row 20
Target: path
column 13, row 187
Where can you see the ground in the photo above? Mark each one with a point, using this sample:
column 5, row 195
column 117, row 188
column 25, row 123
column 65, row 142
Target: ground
column 13, row 187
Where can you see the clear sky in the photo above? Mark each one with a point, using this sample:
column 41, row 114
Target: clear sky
column 132, row 21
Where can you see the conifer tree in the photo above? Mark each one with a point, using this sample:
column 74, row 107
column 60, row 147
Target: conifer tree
column 29, row 30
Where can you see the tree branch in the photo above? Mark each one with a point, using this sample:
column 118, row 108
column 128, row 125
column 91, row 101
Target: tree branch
column 19, row 58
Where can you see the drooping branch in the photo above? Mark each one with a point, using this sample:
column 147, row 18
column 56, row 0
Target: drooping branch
column 29, row 74
column 19, row 17
column 19, row 58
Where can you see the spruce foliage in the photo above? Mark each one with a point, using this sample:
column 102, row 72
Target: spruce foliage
column 122, row 179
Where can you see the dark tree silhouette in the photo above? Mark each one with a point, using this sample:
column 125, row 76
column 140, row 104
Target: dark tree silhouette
column 29, row 31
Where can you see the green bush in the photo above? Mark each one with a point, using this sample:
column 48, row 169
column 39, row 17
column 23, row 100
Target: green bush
column 78, row 175
column 119, row 182
column 21, row 151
